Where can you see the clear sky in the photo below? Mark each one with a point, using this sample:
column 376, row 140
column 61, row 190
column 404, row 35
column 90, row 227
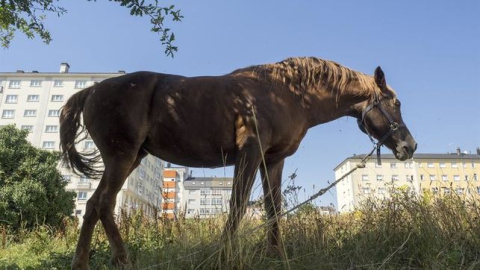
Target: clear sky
column 429, row 51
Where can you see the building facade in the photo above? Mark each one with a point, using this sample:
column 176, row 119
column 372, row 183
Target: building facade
column 32, row 101
column 172, row 192
column 205, row 197
column 438, row 174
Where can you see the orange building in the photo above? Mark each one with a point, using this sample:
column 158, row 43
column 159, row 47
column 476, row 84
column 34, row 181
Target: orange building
column 170, row 190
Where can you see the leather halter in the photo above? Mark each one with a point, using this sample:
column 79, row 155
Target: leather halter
column 393, row 125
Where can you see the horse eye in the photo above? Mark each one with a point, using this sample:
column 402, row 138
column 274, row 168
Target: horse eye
column 397, row 104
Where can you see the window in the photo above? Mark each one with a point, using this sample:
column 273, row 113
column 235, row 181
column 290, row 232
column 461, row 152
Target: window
column 83, row 179
column 456, row 177
column 444, row 177
column 366, row 190
column 11, row 99
column 89, row 145
column 442, row 165
column 433, row 177
column 8, row 114
column 217, row 201
column 57, row 83
column 475, row 177
column 78, row 212
column 36, row 83
column 408, row 165
column 378, row 165
column 364, row 177
column 446, row 190
column 459, row 191
column 204, row 201
column 454, row 165
column 33, row 98
column 394, row 177
column 473, row 164
column 57, row 98
column 430, row 165
column 48, row 144
column 421, row 177
column 478, row 190
column 204, row 210
column 191, row 201
column 14, row 84
column 141, row 173
column 381, row 190
column 27, row 127
column 82, row 196
column 51, row 129
column 466, row 177
column 80, row 84
column 67, row 178
column 53, row 113
column 379, row 177
column 205, row 192
column 216, row 192
column 464, row 165
column 434, row 190
column 30, row 113
column 393, row 165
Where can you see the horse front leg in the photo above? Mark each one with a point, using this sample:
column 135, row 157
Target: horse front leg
column 246, row 166
column 272, row 183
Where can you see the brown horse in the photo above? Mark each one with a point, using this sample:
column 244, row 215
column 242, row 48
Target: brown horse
column 252, row 118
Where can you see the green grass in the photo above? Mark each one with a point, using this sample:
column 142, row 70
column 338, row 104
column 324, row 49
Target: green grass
column 404, row 232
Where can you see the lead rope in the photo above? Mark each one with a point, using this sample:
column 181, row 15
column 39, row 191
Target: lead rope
column 360, row 165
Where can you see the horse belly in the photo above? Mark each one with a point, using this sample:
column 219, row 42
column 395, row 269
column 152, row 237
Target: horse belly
column 192, row 148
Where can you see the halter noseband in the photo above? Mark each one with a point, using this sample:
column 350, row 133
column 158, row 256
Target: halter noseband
column 393, row 125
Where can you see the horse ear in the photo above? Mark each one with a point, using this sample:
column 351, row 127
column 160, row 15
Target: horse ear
column 380, row 78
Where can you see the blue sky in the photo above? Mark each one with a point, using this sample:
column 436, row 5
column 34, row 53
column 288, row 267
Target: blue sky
column 429, row 51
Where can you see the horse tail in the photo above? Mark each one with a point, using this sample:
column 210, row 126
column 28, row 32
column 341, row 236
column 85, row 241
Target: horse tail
column 70, row 129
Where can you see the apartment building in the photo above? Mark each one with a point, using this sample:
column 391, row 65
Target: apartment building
column 437, row 174
column 172, row 191
column 32, row 100
column 205, row 197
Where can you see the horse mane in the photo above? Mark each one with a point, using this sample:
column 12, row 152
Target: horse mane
column 304, row 73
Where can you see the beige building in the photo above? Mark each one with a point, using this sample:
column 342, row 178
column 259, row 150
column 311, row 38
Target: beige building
column 438, row 174
column 32, row 100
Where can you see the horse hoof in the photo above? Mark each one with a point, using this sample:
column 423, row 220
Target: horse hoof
column 275, row 252
column 121, row 262
column 77, row 265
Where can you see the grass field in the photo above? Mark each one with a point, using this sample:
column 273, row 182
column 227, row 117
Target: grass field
column 404, row 232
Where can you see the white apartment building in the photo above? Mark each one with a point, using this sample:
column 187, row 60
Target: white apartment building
column 206, row 197
column 437, row 174
column 32, row 100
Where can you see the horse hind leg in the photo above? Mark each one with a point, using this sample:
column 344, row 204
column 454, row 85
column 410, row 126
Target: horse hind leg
column 119, row 170
column 101, row 205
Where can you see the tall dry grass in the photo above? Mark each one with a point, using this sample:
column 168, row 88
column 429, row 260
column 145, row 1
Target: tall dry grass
column 403, row 232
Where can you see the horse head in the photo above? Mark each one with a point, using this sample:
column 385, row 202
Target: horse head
column 381, row 118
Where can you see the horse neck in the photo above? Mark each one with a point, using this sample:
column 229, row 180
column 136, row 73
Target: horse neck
column 327, row 105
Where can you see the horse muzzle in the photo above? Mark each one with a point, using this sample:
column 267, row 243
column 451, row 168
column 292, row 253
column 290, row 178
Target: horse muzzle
column 405, row 150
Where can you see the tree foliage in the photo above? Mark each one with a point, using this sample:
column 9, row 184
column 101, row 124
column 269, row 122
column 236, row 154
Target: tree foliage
column 28, row 16
column 31, row 188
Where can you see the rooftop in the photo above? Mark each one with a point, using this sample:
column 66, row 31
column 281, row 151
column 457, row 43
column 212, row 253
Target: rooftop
column 420, row 156
column 208, row 182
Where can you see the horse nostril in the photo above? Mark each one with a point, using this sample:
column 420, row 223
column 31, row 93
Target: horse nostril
column 415, row 147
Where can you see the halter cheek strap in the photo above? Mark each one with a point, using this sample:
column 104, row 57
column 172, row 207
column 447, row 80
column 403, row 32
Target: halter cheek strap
column 393, row 125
